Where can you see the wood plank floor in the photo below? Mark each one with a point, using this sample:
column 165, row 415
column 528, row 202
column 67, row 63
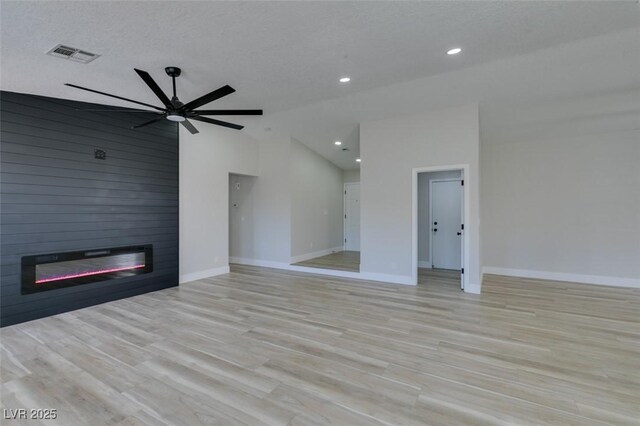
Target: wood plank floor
column 342, row 261
column 260, row 346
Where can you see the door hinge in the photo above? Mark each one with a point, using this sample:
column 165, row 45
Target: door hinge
column 462, row 271
column 462, row 182
column 345, row 216
column 345, row 240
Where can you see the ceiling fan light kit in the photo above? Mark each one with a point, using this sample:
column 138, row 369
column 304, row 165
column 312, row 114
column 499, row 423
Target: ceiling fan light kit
column 176, row 111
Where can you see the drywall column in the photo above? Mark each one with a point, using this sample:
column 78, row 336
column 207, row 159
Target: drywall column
column 206, row 159
column 390, row 149
column 272, row 203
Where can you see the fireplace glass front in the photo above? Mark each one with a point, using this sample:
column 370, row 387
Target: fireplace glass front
column 58, row 270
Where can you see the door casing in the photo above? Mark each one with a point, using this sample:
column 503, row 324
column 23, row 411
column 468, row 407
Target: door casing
column 466, row 250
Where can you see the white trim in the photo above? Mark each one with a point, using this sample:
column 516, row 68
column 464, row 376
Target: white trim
column 208, row 273
column 466, row 284
column 307, row 256
column 387, row 278
column 425, row 264
column 430, row 234
column 256, row 262
column 472, row 288
column 369, row 276
column 562, row 276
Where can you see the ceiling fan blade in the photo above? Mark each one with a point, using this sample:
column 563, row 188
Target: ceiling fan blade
column 154, row 87
column 114, row 96
column 118, row 110
column 209, row 97
column 229, row 112
column 218, row 122
column 148, row 122
column 190, row 127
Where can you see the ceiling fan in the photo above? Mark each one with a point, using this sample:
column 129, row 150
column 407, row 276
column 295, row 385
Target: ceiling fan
column 174, row 110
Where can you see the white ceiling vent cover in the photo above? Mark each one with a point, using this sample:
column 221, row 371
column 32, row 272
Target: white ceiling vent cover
column 73, row 54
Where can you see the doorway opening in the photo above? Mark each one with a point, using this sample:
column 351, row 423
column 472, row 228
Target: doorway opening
column 241, row 217
column 346, row 256
column 439, row 226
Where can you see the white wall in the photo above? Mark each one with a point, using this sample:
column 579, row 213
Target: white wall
column 568, row 205
column 316, row 203
column 532, row 115
column 206, row 159
column 390, row 149
column 350, row 176
column 424, row 227
column 272, row 201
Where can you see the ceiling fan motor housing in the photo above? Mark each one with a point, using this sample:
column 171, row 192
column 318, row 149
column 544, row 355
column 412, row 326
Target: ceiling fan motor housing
column 173, row 71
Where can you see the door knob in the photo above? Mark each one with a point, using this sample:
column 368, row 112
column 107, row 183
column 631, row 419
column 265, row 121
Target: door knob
column 459, row 233
column 435, row 223
column 435, row 229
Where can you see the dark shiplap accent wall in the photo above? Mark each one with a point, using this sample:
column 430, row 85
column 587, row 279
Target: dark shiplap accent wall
column 55, row 197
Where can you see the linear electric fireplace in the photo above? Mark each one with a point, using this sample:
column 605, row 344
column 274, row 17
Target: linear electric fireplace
column 58, row 270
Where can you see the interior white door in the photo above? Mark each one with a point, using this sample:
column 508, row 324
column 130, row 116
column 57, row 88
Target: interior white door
column 446, row 221
column 352, row 216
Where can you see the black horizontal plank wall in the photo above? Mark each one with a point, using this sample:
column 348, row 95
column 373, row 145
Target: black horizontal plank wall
column 55, row 196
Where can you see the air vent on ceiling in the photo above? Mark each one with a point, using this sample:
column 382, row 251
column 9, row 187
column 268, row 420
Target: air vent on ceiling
column 73, row 54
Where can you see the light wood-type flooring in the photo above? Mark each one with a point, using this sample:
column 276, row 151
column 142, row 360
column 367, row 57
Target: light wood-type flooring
column 262, row 346
column 342, row 261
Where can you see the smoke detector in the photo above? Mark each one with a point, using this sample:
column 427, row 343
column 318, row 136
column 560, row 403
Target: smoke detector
column 73, row 54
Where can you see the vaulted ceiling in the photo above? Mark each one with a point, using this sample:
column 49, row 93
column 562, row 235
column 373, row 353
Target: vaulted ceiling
column 280, row 56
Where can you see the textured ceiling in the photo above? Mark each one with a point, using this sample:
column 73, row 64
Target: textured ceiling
column 585, row 87
column 279, row 55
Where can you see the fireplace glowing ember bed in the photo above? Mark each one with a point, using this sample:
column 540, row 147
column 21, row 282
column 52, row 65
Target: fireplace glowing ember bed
column 59, row 270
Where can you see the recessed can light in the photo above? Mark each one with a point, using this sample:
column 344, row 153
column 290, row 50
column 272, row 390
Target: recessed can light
column 338, row 143
column 358, row 160
column 345, row 79
column 454, row 51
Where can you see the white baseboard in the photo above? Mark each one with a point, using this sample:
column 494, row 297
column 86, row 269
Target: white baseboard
column 256, row 262
column 387, row 278
column 319, row 253
column 368, row 276
column 561, row 276
column 204, row 274
column 425, row 264
column 473, row 288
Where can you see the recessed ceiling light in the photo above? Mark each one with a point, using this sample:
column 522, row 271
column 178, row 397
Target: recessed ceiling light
column 358, row 160
column 345, row 79
column 338, row 143
column 454, row 51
